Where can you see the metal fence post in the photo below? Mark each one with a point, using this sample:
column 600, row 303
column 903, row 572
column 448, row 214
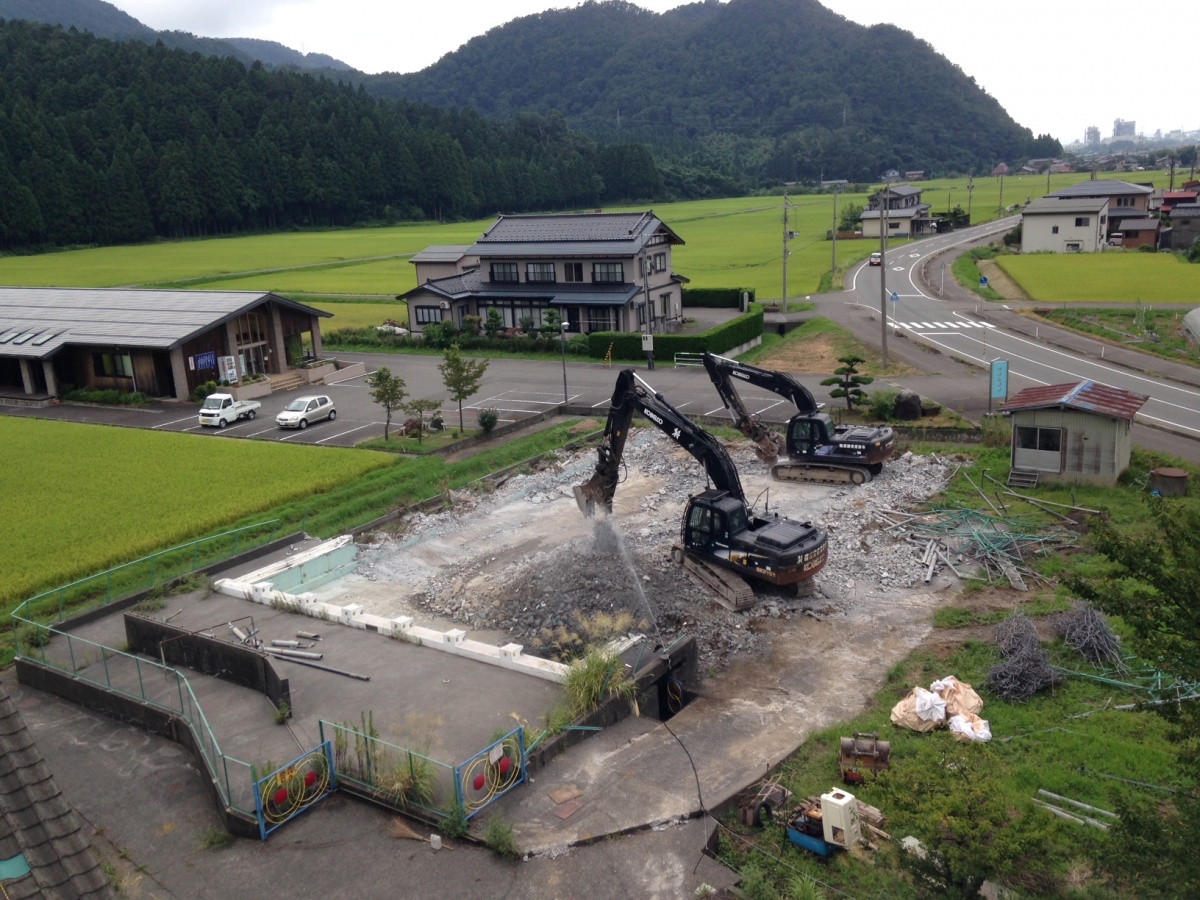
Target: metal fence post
column 141, row 684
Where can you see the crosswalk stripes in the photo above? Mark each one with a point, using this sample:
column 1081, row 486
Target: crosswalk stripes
column 925, row 326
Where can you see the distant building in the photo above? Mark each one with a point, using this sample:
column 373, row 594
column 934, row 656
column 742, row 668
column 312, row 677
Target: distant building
column 1051, row 225
column 1185, row 225
column 599, row 271
column 915, row 175
column 1001, row 169
column 1123, row 128
column 1125, row 200
column 1091, row 135
column 907, row 215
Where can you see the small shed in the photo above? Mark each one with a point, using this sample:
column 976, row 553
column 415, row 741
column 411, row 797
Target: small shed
column 1073, row 432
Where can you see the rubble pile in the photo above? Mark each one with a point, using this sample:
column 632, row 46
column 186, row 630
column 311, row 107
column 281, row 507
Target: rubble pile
column 561, row 570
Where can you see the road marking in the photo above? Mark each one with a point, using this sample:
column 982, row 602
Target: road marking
column 175, row 421
column 344, row 433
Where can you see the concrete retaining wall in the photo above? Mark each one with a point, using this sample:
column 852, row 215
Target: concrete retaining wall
column 209, row 656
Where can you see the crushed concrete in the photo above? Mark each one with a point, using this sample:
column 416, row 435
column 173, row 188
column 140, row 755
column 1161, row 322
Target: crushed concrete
column 520, row 563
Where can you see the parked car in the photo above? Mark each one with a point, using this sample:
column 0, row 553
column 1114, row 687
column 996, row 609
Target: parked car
column 220, row 410
column 876, row 259
column 303, row 411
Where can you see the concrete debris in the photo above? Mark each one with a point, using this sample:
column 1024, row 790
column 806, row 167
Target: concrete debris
column 520, row 559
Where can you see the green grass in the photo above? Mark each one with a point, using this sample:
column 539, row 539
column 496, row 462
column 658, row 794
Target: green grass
column 1156, row 278
column 1155, row 331
column 734, row 242
column 360, row 315
column 938, row 788
column 81, row 498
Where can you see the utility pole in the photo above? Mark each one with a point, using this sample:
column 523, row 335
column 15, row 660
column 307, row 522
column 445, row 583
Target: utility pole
column 883, row 294
column 1000, row 206
column 833, row 231
column 787, row 236
column 970, row 190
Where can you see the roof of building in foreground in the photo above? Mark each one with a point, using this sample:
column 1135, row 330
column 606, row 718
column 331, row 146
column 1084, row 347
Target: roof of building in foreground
column 1084, row 396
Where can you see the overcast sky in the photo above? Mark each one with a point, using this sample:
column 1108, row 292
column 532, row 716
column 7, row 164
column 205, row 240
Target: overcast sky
column 1003, row 45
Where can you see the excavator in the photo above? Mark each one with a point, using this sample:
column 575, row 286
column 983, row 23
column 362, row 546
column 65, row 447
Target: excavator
column 722, row 540
column 815, row 449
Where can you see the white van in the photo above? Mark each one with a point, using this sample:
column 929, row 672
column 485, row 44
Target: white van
column 1116, row 239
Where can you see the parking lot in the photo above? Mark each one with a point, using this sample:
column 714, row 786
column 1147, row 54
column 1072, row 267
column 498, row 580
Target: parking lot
column 359, row 418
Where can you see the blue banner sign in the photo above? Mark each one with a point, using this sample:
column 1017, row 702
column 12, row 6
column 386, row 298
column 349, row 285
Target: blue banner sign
column 999, row 379
column 206, row 360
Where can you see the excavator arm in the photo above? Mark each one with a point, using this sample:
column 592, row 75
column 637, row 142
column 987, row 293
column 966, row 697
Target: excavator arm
column 633, row 395
column 724, row 373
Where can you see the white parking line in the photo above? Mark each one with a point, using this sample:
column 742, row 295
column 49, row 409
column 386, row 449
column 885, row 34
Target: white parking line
column 175, row 421
column 351, row 431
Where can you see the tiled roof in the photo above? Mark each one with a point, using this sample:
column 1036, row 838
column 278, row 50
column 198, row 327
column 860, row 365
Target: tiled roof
column 443, row 253
column 36, row 322
column 907, row 212
column 474, row 283
column 1086, row 396
column 36, row 822
column 1185, row 211
column 591, row 234
column 1141, row 224
column 1102, row 187
column 1050, row 206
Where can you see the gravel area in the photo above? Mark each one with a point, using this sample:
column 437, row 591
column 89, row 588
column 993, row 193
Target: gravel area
column 521, row 563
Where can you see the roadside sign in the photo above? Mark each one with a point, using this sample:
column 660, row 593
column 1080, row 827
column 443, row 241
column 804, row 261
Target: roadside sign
column 999, row 379
column 895, row 297
column 648, row 343
column 983, row 281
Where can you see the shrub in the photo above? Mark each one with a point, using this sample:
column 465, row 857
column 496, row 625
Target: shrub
column 488, row 419
column 881, row 404
column 499, row 838
column 114, row 397
column 454, row 825
column 203, row 390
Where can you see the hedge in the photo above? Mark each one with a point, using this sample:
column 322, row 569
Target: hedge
column 720, row 339
column 723, row 298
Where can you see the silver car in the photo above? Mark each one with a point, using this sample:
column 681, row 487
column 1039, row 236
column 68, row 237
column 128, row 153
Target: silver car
column 303, row 411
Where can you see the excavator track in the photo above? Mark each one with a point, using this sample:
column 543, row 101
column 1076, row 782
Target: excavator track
column 729, row 589
column 820, row 473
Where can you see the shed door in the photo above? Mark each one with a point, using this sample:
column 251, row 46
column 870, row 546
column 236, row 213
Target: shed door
column 1040, row 449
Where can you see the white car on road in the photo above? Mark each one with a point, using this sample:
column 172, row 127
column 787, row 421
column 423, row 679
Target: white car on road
column 303, row 411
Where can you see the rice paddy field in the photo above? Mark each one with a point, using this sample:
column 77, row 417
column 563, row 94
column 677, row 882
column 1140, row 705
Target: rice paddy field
column 1112, row 277
column 108, row 495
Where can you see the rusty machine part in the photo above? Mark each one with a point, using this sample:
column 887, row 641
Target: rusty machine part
column 864, row 753
column 757, row 810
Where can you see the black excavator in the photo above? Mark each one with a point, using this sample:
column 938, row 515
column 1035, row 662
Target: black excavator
column 815, row 449
column 720, row 534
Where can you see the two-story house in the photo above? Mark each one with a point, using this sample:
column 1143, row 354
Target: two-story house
column 907, row 216
column 1125, row 200
column 601, row 271
column 1052, row 225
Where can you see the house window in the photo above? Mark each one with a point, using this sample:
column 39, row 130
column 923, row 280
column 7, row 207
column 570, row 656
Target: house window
column 893, row 226
column 1074, row 247
column 112, row 365
column 660, row 262
column 539, row 272
column 1125, row 201
column 573, row 271
column 1083, row 221
column 612, row 272
column 427, row 315
column 641, row 313
column 599, row 319
column 507, row 272
column 665, row 305
column 1054, row 229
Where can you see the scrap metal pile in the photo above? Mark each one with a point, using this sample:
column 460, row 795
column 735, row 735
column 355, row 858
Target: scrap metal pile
column 970, row 541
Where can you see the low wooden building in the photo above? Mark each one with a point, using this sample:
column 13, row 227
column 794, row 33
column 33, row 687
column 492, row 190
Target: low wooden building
column 157, row 342
column 1073, row 432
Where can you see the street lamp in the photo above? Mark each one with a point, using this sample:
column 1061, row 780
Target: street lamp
column 562, row 336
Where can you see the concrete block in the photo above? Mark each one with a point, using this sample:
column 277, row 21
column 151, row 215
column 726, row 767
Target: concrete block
column 511, row 651
column 401, row 625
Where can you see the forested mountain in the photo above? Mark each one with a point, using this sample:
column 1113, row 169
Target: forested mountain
column 107, row 142
column 105, row 20
column 778, row 89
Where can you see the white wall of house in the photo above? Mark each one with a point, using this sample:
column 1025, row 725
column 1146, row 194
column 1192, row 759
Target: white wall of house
column 1069, row 232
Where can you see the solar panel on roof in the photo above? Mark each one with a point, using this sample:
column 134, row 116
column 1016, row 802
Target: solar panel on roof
column 8, row 336
column 23, row 338
column 44, row 338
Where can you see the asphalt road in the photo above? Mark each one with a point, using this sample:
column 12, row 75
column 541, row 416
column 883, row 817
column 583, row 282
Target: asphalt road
column 961, row 327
